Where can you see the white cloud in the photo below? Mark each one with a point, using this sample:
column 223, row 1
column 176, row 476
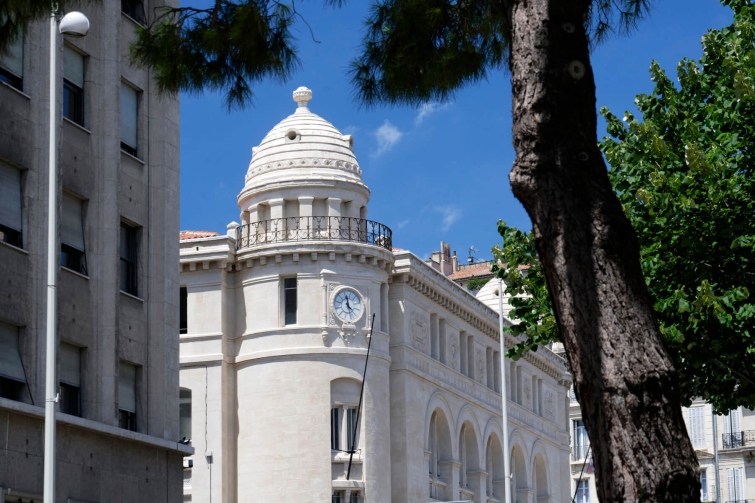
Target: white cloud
column 402, row 224
column 428, row 109
column 387, row 137
column 450, row 215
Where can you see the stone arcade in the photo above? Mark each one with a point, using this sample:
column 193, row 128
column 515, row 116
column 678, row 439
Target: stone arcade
column 276, row 323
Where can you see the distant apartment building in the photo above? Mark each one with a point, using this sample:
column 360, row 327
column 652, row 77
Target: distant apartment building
column 735, row 436
column 117, row 317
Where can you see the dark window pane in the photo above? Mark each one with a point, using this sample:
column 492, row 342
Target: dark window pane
column 12, row 389
column 128, row 149
column 128, row 277
column 11, row 79
column 289, row 297
column 10, row 236
column 133, row 9
column 126, row 420
column 73, row 102
column 70, row 399
column 73, row 259
column 335, row 427
column 183, row 326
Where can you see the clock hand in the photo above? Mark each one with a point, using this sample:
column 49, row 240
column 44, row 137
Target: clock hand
column 347, row 304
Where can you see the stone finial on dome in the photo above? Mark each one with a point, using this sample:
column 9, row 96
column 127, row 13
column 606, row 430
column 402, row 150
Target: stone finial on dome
column 302, row 95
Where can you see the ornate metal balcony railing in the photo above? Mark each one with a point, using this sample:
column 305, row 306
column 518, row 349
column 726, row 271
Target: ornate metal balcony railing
column 294, row 229
column 739, row 439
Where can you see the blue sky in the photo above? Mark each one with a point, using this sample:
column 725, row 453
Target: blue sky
column 436, row 173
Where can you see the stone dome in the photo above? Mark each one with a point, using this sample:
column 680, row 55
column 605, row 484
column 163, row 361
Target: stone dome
column 301, row 147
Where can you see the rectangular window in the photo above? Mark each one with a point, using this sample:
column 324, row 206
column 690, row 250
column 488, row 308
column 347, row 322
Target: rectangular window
column 733, row 435
column 335, row 429
column 128, row 273
column 12, row 375
column 351, row 428
column 10, row 205
column 183, row 322
column 703, row 485
column 338, row 497
column 70, row 379
column 184, row 414
column 73, row 85
column 354, row 498
column 127, row 396
column 12, row 62
column 129, row 118
column 134, row 9
column 581, row 441
column 72, row 250
column 697, row 426
column 583, row 491
column 289, row 301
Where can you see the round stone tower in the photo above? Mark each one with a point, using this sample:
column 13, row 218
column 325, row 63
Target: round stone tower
column 310, row 273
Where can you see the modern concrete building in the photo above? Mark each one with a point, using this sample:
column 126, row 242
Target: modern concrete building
column 276, row 322
column 118, row 302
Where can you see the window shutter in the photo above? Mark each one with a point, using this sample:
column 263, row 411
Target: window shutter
column 731, row 489
column 71, row 225
column 739, row 484
column 697, row 426
column 73, row 67
column 10, row 197
column 736, row 423
column 129, row 97
column 10, row 359
column 127, row 387
column 13, row 58
column 70, row 364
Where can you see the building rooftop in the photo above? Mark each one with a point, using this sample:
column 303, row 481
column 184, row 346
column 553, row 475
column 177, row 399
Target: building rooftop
column 472, row 271
column 196, row 234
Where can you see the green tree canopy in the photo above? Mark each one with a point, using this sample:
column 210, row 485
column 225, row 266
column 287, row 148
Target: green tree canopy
column 684, row 175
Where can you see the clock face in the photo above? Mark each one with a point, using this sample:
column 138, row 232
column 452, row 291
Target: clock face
column 348, row 305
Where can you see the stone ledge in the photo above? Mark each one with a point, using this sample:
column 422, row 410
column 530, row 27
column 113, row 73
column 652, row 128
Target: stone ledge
column 97, row 427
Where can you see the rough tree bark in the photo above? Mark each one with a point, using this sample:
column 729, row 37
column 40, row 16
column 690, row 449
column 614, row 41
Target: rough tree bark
column 590, row 254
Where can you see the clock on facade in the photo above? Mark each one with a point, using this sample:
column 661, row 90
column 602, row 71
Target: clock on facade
column 348, row 305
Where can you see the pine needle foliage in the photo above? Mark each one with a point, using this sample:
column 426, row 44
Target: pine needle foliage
column 416, row 51
column 15, row 15
column 227, row 47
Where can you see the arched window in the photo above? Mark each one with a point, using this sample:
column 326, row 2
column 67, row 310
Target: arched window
column 469, row 458
column 440, row 456
column 494, row 467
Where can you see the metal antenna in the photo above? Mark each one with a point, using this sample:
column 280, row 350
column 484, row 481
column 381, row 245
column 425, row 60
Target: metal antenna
column 359, row 407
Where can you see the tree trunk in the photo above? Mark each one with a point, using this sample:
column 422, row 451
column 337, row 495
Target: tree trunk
column 626, row 382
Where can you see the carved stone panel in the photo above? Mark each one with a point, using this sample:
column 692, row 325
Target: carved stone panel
column 527, row 394
column 550, row 406
column 480, row 358
column 418, row 331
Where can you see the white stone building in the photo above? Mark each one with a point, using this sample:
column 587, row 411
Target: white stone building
column 117, row 291
column 276, row 317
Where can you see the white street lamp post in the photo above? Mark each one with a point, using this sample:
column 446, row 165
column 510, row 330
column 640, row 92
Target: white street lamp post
column 506, row 468
column 75, row 24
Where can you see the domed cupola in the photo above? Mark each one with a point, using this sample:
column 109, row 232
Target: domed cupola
column 302, row 149
column 304, row 184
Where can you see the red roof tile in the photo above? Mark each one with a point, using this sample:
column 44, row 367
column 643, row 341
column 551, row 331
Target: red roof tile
column 472, row 272
column 197, row 234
